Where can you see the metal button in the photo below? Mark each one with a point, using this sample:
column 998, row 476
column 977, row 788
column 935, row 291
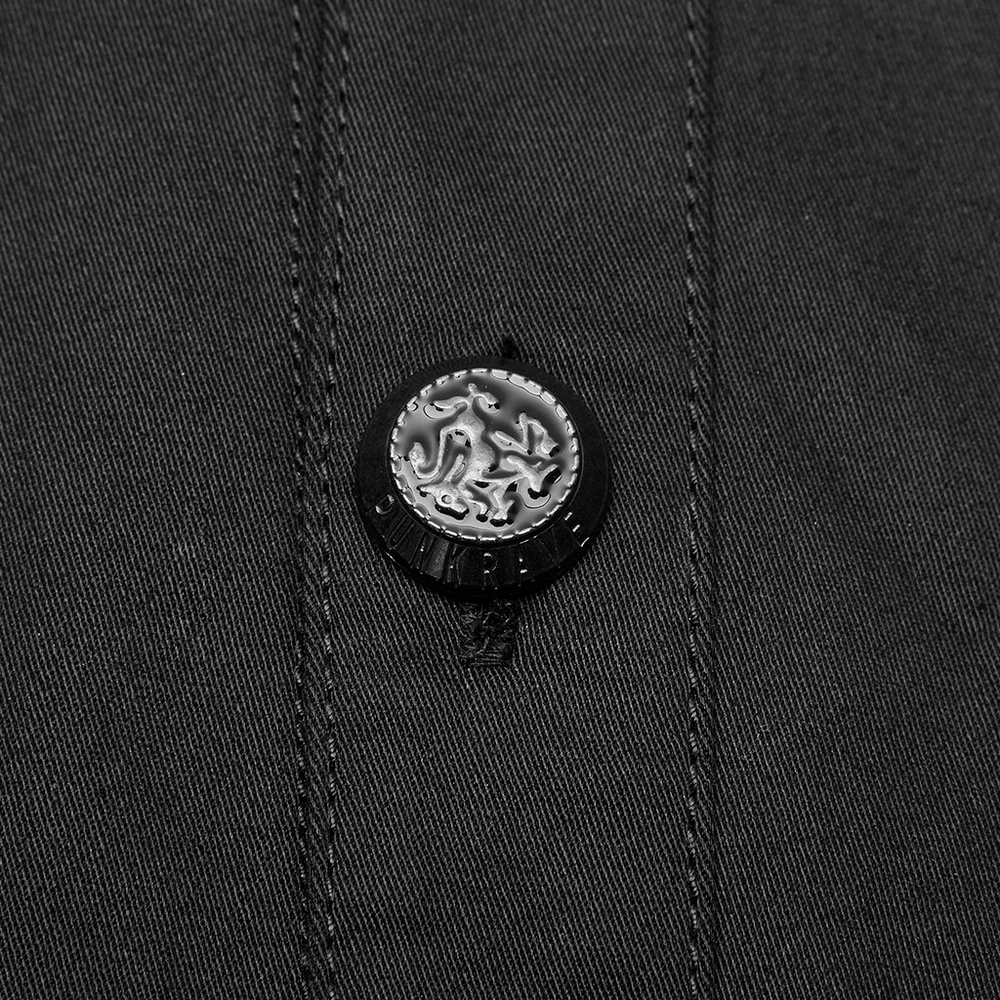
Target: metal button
column 482, row 475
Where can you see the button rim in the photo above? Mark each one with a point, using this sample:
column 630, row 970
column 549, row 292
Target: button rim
column 461, row 567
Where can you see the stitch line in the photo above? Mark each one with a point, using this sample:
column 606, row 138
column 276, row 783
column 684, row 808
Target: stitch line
column 318, row 116
column 700, row 829
column 298, row 348
column 336, row 47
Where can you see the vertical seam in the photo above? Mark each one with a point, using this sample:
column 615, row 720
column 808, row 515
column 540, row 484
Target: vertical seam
column 336, row 44
column 319, row 69
column 701, row 811
column 300, row 460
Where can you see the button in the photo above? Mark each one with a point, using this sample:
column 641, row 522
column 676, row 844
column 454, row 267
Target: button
column 482, row 475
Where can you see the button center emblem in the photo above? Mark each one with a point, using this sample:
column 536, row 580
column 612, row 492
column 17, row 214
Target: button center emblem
column 484, row 454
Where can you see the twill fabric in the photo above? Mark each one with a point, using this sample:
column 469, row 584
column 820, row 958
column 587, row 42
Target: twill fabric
column 746, row 747
column 147, row 421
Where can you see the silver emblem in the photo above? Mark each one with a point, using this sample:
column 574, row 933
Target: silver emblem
column 484, row 454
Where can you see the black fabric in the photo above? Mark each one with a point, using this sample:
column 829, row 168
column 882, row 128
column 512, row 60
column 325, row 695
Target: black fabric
column 856, row 156
column 515, row 831
column 147, row 434
column 746, row 747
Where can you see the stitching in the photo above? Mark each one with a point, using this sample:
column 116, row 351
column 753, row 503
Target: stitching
column 317, row 243
column 701, row 543
column 336, row 45
column 298, row 349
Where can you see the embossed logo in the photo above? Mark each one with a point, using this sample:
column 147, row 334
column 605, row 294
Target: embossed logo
column 484, row 454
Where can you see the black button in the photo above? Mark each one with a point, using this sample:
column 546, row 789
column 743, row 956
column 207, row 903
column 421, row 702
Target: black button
column 482, row 475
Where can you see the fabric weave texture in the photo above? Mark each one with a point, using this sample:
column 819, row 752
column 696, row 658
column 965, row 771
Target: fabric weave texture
column 747, row 747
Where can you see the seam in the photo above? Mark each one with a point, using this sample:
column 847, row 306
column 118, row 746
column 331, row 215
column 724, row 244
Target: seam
column 701, row 832
column 298, row 377
column 319, row 66
column 336, row 51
